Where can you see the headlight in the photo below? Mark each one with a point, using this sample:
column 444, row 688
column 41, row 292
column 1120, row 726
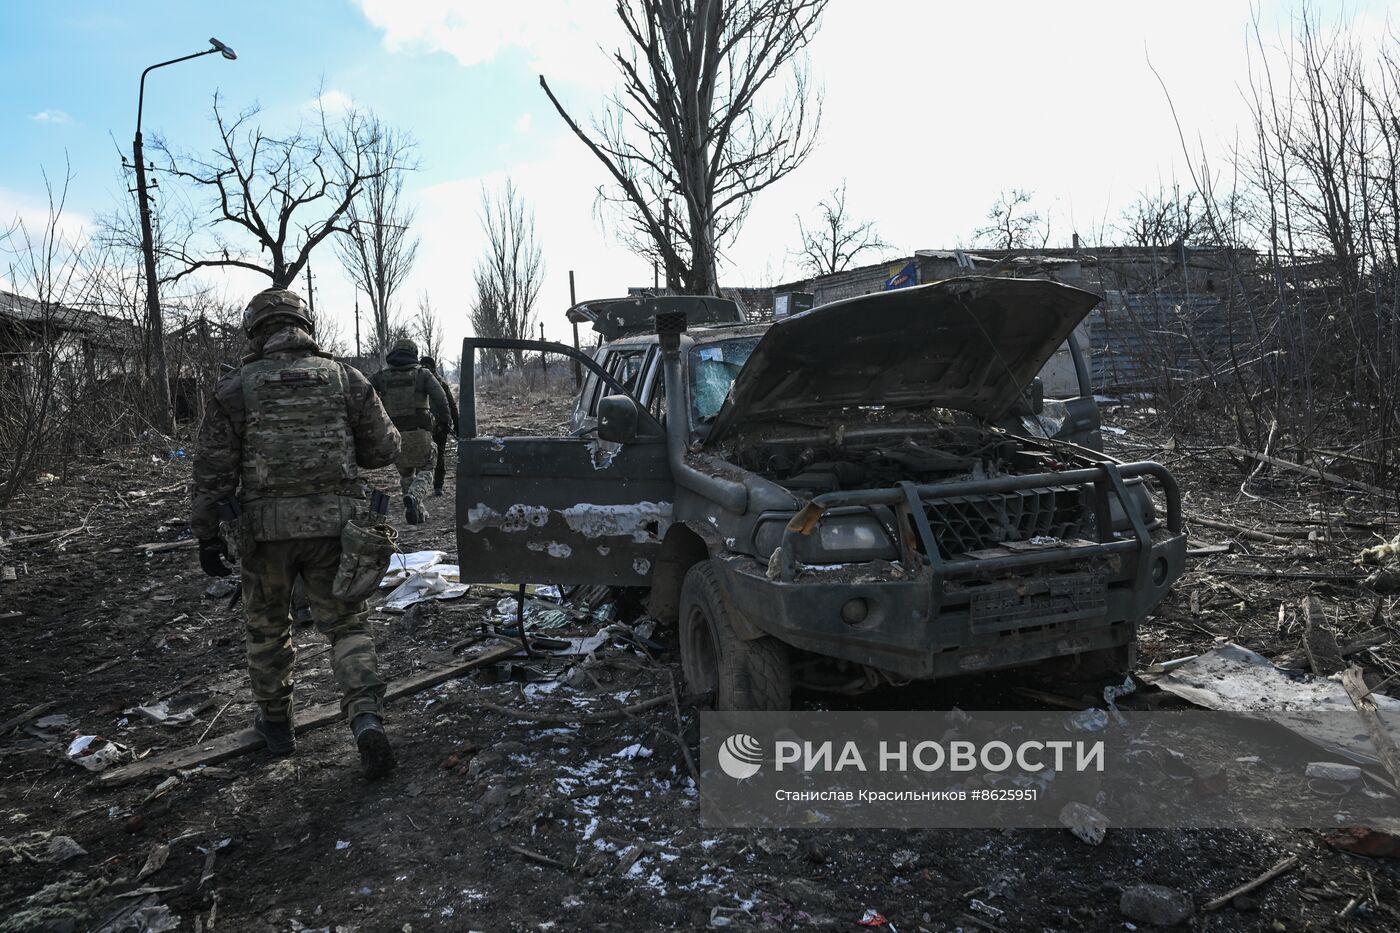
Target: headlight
column 1141, row 501
column 840, row 537
column 850, row 534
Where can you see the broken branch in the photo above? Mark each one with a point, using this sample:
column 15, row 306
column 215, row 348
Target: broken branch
column 1239, row 531
column 1326, row 477
column 1284, row 865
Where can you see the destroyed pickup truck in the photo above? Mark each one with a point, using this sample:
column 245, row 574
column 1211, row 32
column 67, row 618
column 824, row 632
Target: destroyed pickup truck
column 866, row 493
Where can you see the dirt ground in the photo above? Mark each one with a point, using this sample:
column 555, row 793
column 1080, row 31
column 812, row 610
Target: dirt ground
column 497, row 823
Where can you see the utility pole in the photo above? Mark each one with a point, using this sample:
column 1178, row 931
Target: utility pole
column 544, row 360
column 578, row 367
column 357, row 327
column 155, row 321
column 310, row 295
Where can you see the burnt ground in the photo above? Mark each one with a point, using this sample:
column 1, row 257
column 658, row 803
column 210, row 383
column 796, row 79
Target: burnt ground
column 496, row 823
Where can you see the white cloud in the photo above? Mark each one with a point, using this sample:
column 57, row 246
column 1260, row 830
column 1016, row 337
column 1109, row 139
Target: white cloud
column 17, row 208
column 560, row 37
column 51, row 116
column 333, row 101
column 522, row 123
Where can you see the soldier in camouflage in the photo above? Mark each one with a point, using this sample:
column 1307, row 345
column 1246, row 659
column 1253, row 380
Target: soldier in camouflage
column 285, row 433
column 414, row 398
column 441, row 428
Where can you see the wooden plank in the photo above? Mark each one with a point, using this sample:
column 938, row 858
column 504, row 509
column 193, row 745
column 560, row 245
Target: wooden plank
column 316, row 717
column 34, row 712
column 157, row 547
column 1324, row 657
column 1355, row 683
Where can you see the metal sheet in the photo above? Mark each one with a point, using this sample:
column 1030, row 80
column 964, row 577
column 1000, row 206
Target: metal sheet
column 560, row 510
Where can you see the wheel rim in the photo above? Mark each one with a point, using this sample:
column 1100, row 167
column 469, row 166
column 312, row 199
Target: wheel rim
column 701, row 653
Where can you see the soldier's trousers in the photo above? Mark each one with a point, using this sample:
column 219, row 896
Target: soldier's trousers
column 440, row 471
column 415, row 463
column 268, row 574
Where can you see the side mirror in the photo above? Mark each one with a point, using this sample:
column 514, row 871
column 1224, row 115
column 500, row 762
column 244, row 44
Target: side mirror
column 1032, row 400
column 617, row 419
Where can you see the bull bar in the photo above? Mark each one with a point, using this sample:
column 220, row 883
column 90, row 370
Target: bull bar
column 907, row 499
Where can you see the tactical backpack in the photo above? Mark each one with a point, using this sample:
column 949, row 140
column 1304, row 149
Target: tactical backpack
column 298, row 451
column 405, row 396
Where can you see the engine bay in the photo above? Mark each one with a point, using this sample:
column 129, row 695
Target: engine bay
column 868, row 459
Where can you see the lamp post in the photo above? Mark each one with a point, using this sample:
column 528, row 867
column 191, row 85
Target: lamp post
column 154, row 321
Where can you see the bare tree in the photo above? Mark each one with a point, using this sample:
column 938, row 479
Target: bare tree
column 284, row 194
column 427, row 330
column 833, row 243
column 45, row 262
column 1013, row 225
column 376, row 247
column 486, row 322
column 1164, row 218
column 509, row 276
column 715, row 106
column 71, row 380
column 330, row 332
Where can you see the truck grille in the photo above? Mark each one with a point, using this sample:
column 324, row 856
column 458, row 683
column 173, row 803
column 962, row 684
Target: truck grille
column 970, row 523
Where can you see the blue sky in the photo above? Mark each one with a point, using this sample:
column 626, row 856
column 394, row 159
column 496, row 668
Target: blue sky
column 82, row 62
column 931, row 109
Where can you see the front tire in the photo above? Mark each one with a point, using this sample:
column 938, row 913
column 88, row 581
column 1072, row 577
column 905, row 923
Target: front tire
column 739, row 674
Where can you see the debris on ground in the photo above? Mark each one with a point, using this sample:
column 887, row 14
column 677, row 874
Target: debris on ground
column 1084, row 821
column 95, row 753
column 1385, row 558
column 1381, row 840
column 1231, row 678
column 1156, row 904
column 439, row 581
column 1333, row 771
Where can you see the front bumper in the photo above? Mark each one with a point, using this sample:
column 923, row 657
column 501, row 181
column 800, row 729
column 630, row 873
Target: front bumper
column 950, row 616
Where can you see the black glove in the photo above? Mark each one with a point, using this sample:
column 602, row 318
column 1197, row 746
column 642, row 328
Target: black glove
column 212, row 552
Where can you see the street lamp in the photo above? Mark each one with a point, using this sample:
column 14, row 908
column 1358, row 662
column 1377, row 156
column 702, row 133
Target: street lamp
column 155, row 323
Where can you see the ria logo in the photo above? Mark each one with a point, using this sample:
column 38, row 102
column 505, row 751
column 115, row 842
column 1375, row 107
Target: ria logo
column 740, row 756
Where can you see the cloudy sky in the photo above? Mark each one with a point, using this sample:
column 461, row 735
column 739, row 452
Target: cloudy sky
column 931, row 109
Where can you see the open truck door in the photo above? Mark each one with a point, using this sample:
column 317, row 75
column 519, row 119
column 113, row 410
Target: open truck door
column 568, row 510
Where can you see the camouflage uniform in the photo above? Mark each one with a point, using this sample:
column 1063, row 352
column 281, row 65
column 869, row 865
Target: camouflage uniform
column 441, row 428
column 414, row 398
column 286, row 431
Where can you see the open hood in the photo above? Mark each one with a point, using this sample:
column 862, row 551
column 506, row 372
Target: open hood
column 971, row 344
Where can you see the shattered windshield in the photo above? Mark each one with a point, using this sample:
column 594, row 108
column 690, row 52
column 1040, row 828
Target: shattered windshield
column 713, row 367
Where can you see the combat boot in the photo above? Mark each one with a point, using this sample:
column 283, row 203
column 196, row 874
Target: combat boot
column 414, row 511
column 278, row 735
column 376, row 756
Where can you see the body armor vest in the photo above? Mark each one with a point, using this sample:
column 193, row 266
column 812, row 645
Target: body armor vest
column 298, row 450
column 405, row 396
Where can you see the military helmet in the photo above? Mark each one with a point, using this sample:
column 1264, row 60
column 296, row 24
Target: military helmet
column 405, row 343
column 273, row 304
